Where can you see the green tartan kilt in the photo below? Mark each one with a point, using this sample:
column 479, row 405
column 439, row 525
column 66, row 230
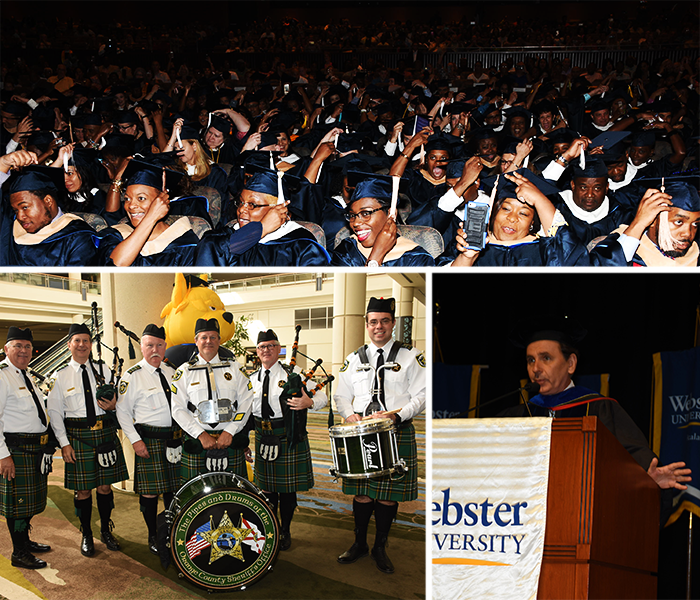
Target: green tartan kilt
column 399, row 489
column 290, row 472
column 156, row 475
column 25, row 495
column 195, row 464
column 86, row 473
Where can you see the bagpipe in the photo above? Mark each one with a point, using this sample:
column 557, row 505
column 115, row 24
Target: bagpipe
column 105, row 390
column 295, row 420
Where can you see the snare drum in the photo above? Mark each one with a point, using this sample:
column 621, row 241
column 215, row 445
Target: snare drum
column 365, row 449
column 224, row 536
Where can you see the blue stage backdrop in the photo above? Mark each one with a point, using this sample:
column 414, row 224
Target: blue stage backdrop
column 676, row 424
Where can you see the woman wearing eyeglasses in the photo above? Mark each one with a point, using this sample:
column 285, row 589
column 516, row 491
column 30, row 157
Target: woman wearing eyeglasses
column 375, row 241
column 284, row 243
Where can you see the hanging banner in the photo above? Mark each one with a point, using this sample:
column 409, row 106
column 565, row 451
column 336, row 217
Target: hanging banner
column 489, row 507
column 677, row 420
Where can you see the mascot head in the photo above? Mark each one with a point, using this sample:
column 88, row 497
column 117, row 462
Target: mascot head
column 191, row 300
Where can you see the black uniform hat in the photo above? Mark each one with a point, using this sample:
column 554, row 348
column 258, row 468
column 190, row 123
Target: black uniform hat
column 206, row 325
column 77, row 328
column 267, row 336
column 559, row 329
column 154, row 330
column 383, row 305
column 15, row 333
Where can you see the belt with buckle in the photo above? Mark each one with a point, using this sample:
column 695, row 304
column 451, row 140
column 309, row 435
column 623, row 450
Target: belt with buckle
column 83, row 424
column 163, row 433
column 15, row 440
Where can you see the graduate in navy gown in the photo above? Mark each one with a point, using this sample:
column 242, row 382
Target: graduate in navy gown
column 146, row 239
column 524, row 229
column 284, row 242
column 375, row 241
column 42, row 234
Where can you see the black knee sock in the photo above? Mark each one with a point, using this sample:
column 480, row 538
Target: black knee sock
column 105, row 504
column 362, row 511
column 83, row 510
column 384, row 515
column 168, row 499
column 288, row 503
column 19, row 532
column 149, row 508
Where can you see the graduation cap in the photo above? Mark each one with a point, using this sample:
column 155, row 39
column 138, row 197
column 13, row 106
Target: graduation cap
column 608, row 139
column 545, row 106
column 268, row 138
column 43, row 117
column 154, row 330
column 17, row 109
column 642, row 138
column 103, row 104
column 457, row 108
column 683, row 189
column 508, row 144
column 595, row 169
column 518, row 111
column 126, row 116
column 455, row 168
column 382, row 305
column 561, row 136
column 274, row 183
column 83, row 158
column 613, row 154
column 506, row 188
column 221, row 124
column 350, row 141
column 92, row 119
column 282, row 121
column 596, row 104
column 118, row 144
column 372, row 185
column 150, row 173
column 40, row 139
column 558, row 329
column 442, row 141
column 35, row 177
column 484, row 133
column 162, row 96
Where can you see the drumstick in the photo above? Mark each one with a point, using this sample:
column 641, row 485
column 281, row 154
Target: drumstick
column 389, row 412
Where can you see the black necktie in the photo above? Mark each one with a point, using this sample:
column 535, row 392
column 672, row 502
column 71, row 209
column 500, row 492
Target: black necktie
column 166, row 388
column 89, row 402
column 39, row 408
column 266, row 409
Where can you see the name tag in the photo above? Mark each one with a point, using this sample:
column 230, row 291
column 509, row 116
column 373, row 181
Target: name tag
column 70, row 389
column 23, row 388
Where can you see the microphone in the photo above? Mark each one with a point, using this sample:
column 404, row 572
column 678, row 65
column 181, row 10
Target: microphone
column 530, row 387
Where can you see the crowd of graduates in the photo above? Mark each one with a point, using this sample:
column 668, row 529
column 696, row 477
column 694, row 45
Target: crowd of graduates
column 211, row 164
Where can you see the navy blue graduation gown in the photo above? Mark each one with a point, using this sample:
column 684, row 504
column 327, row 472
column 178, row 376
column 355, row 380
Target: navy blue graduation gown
column 178, row 253
column 586, row 232
column 347, row 255
column 297, row 248
column 562, row 250
column 73, row 245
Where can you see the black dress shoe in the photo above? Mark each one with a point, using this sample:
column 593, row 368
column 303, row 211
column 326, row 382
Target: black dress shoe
column 35, row 547
column 25, row 560
column 356, row 551
column 87, row 546
column 285, row 540
column 153, row 544
column 383, row 563
column 109, row 540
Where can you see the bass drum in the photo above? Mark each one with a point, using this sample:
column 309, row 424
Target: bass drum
column 224, row 536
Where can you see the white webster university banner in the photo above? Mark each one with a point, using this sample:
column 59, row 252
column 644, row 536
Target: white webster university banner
column 489, row 507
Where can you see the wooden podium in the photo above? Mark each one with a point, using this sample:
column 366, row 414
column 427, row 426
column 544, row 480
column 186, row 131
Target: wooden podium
column 601, row 539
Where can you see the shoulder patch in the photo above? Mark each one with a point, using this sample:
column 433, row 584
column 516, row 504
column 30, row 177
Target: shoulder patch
column 123, row 385
column 228, row 376
column 61, row 368
column 177, row 375
column 242, row 370
column 420, row 359
column 346, row 364
column 407, row 346
column 134, row 369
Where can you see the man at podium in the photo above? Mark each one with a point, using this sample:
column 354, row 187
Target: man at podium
column 552, row 357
